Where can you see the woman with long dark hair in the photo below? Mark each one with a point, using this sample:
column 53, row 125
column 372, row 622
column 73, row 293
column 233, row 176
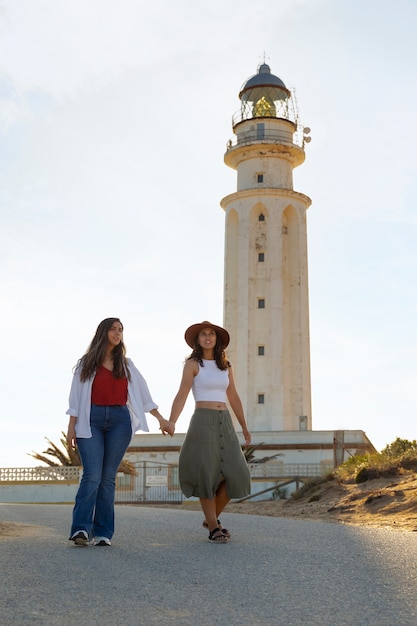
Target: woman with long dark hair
column 212, row 466
column 107, row 405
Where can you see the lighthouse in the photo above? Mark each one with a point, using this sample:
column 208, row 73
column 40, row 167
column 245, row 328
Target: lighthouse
column 266, row 303
column 266, row 306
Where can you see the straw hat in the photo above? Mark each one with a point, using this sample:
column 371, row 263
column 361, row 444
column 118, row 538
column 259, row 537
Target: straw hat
column 191, row 333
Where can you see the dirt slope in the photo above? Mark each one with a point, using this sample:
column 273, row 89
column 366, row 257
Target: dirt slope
column 383, row 502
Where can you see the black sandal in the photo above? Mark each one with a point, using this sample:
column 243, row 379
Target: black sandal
column 217, row 536
column 225, row 532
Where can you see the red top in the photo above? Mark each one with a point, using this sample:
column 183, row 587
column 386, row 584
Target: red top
column 107, row 390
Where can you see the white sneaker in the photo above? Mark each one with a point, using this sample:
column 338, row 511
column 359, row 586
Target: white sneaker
column 80, row 538
column 101, row 541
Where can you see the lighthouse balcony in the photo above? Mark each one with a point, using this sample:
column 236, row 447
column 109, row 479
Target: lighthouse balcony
column 274, row 144
column 267, row 136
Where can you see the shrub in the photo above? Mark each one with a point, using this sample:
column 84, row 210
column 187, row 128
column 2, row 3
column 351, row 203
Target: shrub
column 399, row 447
column 401, row 453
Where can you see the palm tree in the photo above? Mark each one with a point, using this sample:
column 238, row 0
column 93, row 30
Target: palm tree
column 70, row 456
column 248, row 452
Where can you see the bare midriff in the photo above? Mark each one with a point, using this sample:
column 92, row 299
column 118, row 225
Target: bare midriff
column 216, row 406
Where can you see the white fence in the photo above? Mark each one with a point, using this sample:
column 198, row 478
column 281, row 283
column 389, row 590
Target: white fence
column 279, row 469
column 39, row 484
column 39, row 474
column 152, row 482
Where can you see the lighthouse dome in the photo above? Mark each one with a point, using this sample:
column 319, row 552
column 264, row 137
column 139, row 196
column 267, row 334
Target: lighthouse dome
column 264, row 84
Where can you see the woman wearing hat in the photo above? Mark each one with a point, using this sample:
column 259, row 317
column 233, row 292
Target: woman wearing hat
column 212, row 466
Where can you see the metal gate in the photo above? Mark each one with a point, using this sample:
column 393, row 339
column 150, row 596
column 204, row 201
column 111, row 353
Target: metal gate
column 153, row 483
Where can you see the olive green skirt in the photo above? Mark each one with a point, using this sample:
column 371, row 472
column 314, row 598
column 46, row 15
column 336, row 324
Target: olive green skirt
column 211, row 453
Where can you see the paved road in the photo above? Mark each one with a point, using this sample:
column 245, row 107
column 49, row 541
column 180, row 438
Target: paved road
column 161, row 571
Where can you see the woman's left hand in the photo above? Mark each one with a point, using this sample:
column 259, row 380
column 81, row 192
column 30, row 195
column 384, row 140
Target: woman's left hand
column 247, row 436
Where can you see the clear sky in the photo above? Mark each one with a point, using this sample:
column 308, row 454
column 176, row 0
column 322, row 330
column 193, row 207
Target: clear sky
column 114, row 119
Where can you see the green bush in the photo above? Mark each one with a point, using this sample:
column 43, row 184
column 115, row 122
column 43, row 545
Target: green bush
column 399, row 447
column 400, row 454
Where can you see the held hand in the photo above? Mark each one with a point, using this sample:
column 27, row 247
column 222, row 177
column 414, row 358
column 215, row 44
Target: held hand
column 166, row 427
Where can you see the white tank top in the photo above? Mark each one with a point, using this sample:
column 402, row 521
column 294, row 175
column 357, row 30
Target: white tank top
column 210, row 383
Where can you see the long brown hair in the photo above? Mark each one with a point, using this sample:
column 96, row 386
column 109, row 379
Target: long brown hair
column 96, row 352
column 218, row 353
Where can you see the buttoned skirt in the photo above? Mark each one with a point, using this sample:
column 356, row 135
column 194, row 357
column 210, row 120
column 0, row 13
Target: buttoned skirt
column 211, row 453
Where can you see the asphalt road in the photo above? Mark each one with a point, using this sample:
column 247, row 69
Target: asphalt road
column 161, row 570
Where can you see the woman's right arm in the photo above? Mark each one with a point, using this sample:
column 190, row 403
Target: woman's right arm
column 71, row 437
column 73, row 411
column 190, row 370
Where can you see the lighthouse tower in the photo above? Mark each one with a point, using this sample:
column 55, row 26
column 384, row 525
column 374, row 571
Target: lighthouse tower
column 266, row 277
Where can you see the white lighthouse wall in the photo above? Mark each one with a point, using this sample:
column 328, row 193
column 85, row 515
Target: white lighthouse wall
column 280, row 328
column 275, row 175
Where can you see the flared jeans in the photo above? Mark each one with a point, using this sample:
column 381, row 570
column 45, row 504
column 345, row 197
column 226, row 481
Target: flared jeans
column 100, row 455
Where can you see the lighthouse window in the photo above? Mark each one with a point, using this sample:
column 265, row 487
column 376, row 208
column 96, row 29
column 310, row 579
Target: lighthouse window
column 261, row 257
column 261, row 350
column 260, row 129
column 261, row 398
column 261, row 217
column 260, row 178
column 261, row 303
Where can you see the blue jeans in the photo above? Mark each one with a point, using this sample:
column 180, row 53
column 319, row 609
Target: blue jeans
column 100, row 455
